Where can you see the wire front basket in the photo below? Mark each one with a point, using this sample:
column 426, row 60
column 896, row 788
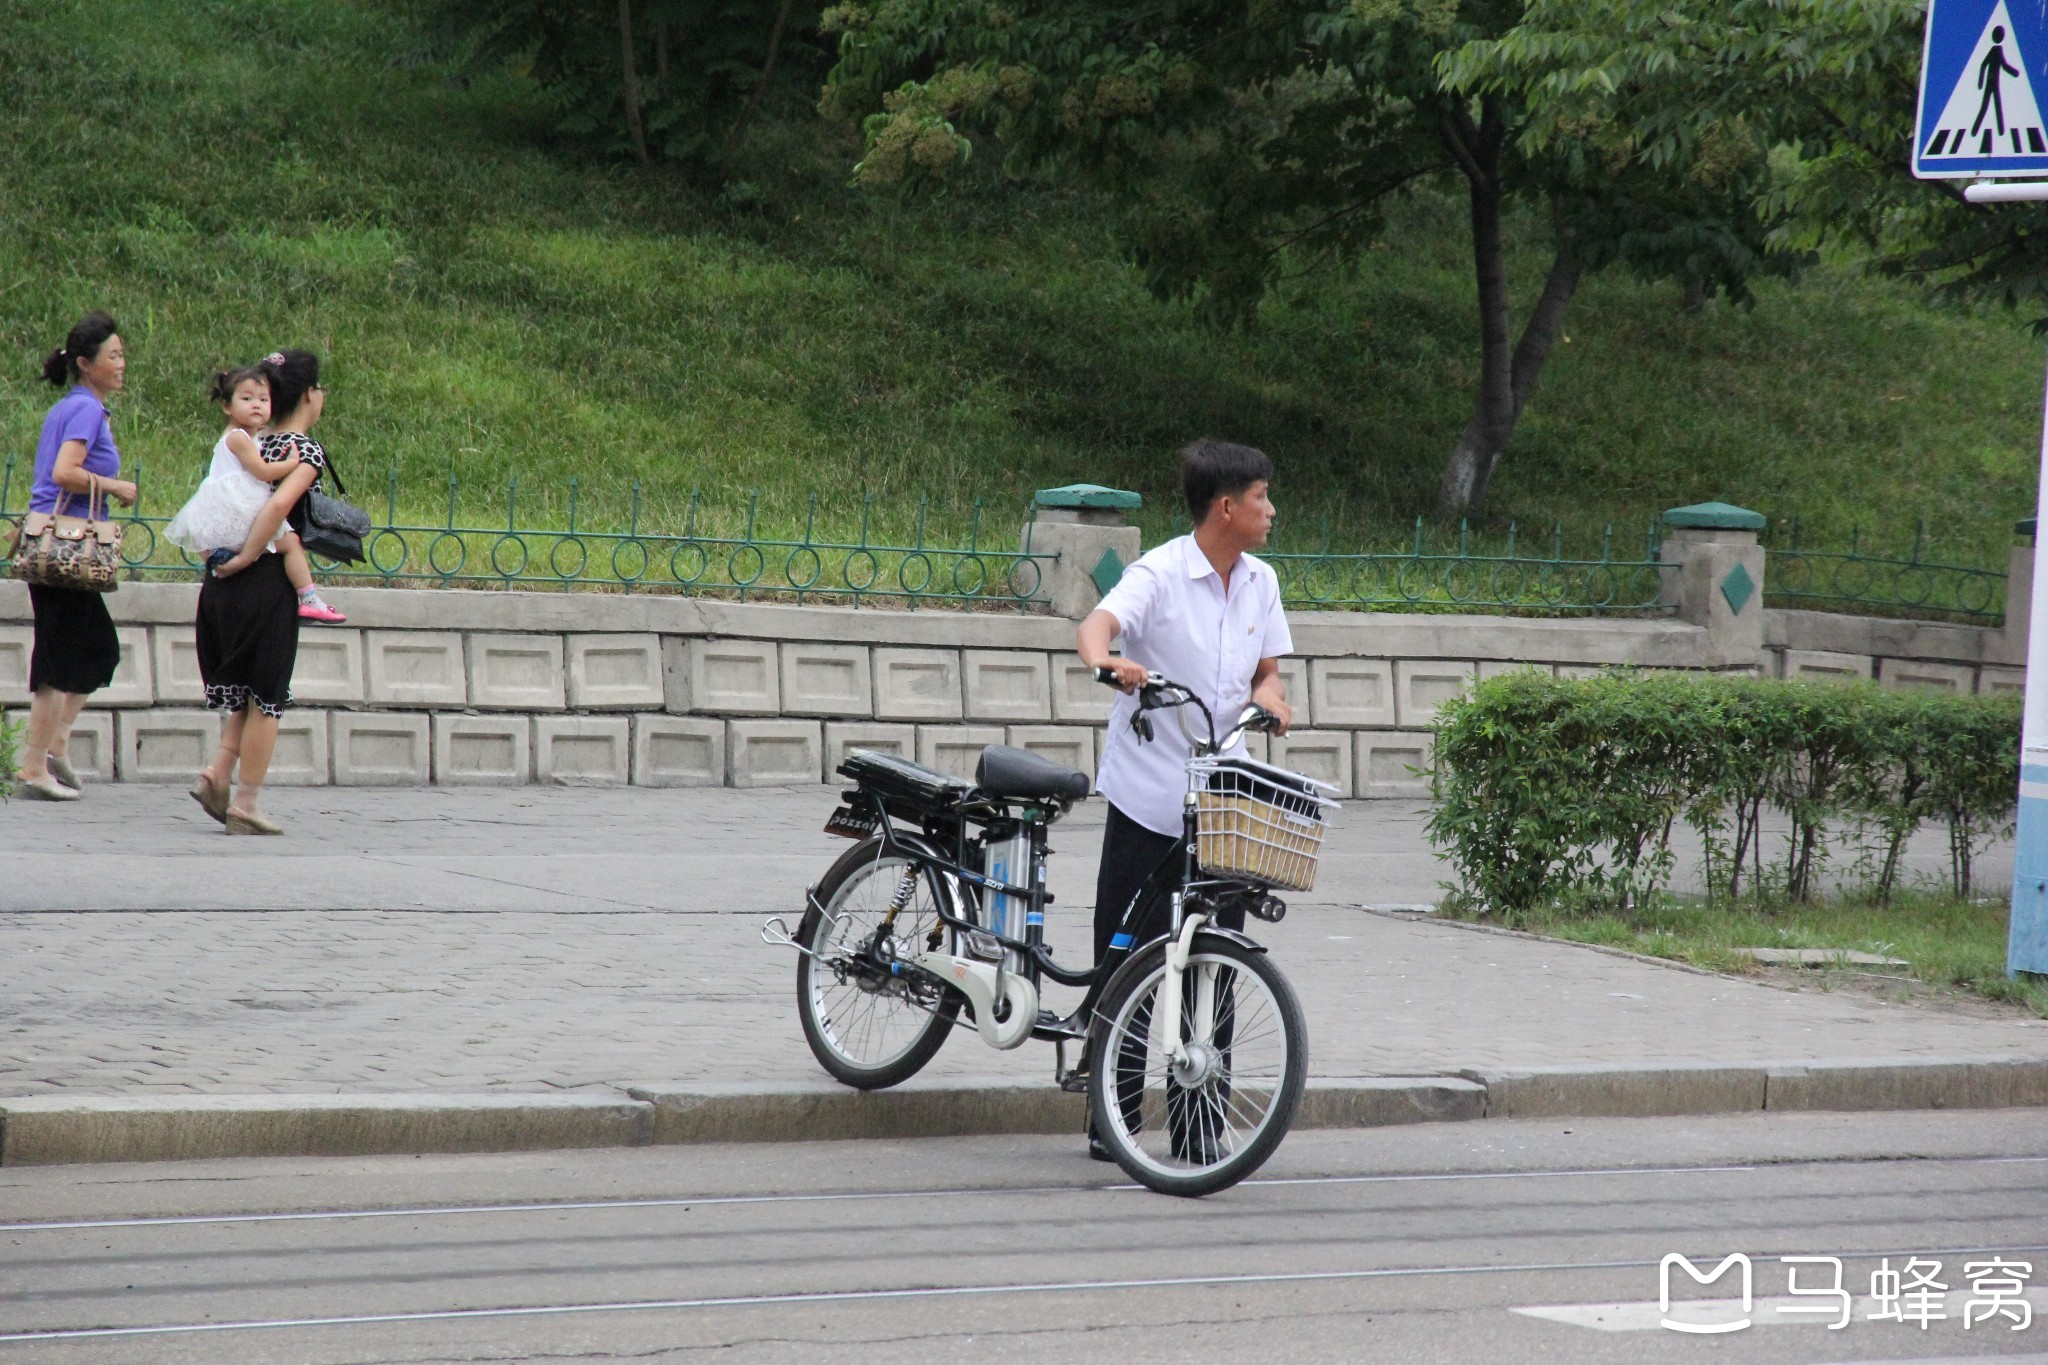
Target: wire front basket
column 1258, row 823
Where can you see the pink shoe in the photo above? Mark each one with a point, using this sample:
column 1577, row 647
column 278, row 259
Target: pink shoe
column 316, row 610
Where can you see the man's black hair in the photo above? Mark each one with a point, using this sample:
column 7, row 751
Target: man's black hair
column 1211, row 469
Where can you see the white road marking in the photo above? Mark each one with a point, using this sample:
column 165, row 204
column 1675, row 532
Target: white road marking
column 1647, row 1316
column 869, row 1295
column 323, row 1215
column 436, row 1211
column 837, row 1296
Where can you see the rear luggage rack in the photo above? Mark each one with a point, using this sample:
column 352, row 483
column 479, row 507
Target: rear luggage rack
column 909, row 790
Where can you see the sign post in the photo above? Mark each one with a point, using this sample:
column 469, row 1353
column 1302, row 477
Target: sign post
column 2027, row 941
column 1983, row 77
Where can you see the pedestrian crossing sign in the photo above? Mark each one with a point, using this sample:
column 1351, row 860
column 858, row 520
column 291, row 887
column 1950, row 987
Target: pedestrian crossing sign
column 1978, row 113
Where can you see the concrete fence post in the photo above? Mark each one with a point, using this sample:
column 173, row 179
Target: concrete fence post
column 1718, row 583
column 2019, row 591
column 1084, row 524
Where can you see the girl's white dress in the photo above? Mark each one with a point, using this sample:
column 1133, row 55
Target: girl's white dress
column 219, row 515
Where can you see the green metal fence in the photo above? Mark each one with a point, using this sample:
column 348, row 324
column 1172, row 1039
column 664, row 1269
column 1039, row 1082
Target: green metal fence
column 1859, row 581
column 850, row 561
column 744, row 561
column 1511, row 576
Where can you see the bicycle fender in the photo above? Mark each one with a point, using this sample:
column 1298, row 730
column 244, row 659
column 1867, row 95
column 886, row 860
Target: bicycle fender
column 1240, row 938
column 945, row 889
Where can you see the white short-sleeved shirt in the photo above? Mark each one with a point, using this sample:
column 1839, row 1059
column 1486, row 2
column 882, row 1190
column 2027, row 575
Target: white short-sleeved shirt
column 1176, row 620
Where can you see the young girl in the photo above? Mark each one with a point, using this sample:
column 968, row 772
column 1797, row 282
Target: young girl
column 298, row 400
column 217, row 520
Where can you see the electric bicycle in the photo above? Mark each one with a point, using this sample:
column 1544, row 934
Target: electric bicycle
column 1195, row 1051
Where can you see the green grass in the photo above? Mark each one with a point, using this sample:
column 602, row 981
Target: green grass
column 1947, row 942
column 10, row 741
column 233, row 175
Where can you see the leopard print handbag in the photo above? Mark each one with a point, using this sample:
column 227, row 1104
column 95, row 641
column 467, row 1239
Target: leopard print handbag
column 53, row 550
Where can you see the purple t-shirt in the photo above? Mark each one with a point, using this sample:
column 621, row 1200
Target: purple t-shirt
column 77, row 416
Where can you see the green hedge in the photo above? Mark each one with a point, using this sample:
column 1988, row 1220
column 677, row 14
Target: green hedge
column 1551, row 790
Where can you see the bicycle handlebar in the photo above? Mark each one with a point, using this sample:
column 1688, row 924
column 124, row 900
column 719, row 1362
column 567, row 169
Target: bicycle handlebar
column 1159, row 692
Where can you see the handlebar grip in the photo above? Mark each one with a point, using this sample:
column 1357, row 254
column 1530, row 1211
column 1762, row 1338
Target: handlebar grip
column 1105, row 675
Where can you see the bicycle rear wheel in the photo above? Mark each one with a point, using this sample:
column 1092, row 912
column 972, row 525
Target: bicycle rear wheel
column 868, row 1024
column 1202, row 1123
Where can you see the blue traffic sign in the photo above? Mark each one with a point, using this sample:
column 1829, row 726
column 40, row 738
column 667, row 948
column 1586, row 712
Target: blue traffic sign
column 1979, row 115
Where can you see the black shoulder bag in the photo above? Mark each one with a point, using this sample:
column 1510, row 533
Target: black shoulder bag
column 334, row 529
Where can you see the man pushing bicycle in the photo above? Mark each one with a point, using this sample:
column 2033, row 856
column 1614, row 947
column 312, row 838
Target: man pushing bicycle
column 1201, row 609
column 1195, row 1051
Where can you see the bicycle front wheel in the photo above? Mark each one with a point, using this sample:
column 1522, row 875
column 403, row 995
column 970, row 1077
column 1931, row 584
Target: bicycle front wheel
column 1202, row 1121
column 869, row 1025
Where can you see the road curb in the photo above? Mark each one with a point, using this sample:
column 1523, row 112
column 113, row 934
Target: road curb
column 1620, row 1091
column 55, row 1129
column 48, row 1130
column 747, row 1112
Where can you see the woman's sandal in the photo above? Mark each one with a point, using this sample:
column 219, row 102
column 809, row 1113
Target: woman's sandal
column 43, row 789
column 241, row 823
column 212, row 799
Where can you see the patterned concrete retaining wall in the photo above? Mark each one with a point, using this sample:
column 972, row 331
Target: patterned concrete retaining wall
column 479, row 687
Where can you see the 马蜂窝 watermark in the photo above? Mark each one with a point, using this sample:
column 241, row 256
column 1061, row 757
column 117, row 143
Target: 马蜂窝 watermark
column 1914, row 1293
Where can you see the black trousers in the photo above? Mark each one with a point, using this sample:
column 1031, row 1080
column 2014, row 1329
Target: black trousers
column 1131, row 856
column 1137, row 861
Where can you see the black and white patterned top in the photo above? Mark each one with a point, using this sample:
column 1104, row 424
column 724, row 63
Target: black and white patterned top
column 278, row 446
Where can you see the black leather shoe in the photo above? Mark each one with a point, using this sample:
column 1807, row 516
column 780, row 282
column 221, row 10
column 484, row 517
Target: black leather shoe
column 1097, row 1150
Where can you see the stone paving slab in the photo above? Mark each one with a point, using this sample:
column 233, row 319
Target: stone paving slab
column 588, row 940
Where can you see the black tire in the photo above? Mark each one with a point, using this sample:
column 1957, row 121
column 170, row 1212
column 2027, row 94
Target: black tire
column 842, row 1015
column 1197, row 1140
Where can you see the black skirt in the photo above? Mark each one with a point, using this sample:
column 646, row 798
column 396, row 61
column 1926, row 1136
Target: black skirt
column 76, row 649
column 248, row 638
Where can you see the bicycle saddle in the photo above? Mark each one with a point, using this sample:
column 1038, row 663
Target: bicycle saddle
column 1004, row 771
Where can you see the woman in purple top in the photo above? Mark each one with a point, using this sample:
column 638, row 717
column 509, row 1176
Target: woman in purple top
column 76, row 650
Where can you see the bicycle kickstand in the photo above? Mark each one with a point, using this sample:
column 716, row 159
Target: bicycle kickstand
column 1074, row 1082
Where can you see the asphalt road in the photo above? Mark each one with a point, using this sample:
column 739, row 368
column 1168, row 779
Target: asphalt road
column 1413, row 1244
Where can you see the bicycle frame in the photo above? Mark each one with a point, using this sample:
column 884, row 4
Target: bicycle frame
column 936, row 919
column 1001, row 818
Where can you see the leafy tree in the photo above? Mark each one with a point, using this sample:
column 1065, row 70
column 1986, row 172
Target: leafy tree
column 676, row 79
column 1829, row 84
column 1247, row 141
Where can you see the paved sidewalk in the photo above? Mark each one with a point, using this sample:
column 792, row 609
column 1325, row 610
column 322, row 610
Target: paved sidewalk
column 541, row 939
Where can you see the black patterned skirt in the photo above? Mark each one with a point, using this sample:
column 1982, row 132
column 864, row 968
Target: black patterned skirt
column 248, row 638
column 76, row 649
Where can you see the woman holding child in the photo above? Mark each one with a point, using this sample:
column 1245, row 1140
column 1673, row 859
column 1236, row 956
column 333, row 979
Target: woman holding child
column 258, row 583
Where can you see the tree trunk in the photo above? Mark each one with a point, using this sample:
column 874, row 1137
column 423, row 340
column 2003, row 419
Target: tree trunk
column 1545, row 323
column 739, row 129
column 632, row 82
column 1476, row 149
column 1506, row 378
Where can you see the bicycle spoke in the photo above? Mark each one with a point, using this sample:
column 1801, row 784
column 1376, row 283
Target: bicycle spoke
column 865, row 1016
column 1238, row 1059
